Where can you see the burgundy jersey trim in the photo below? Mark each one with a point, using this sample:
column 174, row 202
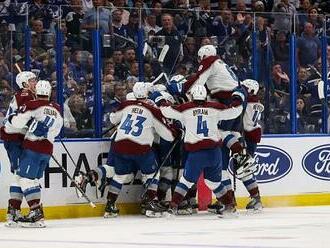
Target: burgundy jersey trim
column 254, row 135
column 41, row 146
column 11, row 136
column 201, row 145
column 129, row 147
column 206, row 64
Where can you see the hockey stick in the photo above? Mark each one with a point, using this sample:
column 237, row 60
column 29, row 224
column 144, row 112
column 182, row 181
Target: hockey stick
column 74, row 183
column 161, row 165
column 109, row 129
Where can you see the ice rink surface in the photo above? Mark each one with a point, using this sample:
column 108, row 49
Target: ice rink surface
column 276, row 227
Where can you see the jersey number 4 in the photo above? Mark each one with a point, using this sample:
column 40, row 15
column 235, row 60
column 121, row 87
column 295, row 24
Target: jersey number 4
column 202, row 126
column 127, row 125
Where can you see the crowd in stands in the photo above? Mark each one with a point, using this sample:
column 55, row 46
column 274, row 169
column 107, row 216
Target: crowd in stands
column 228, row 24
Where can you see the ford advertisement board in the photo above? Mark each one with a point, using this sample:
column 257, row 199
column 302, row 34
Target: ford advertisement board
column 316, row 162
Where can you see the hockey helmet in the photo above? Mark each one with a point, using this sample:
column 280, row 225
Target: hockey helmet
column 23, row 78
column 206, row 51
column 140, row 90
column 43, row 88
column 251, row 85
column 199, row 93
column 130, row 96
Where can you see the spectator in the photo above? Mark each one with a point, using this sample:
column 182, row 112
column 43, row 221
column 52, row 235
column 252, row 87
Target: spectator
column 157, row 11
column 134, row 70
column 119, row 29
column 76, row 67
column 222, row 26
column 73, row 21
column 120, row 4
column 283, row 18
column 280, row 88
column 80, row 112
column 151, row 24
column 129, row 56
column 190, row 54
column 121, row 69
column 308, row 46
column 173, row 39
column 281, row 50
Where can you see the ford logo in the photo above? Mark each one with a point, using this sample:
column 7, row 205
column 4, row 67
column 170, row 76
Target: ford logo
column 272, row 163
column 316, row 162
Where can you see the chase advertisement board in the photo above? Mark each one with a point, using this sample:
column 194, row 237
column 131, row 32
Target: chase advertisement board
column 316, row 162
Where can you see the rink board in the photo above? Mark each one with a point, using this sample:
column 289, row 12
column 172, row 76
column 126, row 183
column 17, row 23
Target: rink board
column 292, row 171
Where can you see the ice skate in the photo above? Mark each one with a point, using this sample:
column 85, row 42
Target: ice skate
column 154, row 209
column 82, row 179
column 228, row 212
column 35, row 219
column 12, row 216
column 215, row 207
column 184, row 208
column 254, row 205
column 111, row 210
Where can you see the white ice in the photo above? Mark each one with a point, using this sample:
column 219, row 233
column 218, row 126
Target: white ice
column 277, row 227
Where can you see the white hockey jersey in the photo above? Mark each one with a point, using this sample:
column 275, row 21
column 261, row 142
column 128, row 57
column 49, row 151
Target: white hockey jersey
column 216, row 76
column 8, row 131
column 201, row 122
column 252, row 129
column 138, row 121
column 41, row 111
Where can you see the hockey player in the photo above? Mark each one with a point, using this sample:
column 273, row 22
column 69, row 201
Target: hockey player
column 137, row 120
column 37, row 148
column 13, row 137
column 252, row 136
column 220, row 82
column 202, row 142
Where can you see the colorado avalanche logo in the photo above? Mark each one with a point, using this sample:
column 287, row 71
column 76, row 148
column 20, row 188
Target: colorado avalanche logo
column 316, row 162
column 273, row 163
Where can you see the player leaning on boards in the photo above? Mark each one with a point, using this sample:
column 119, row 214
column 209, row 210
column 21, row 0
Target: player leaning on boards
column 202, row 141
column 45, row 123
column 12, row 139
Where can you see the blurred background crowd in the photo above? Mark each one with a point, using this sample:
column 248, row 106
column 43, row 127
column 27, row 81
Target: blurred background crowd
column 132, row 34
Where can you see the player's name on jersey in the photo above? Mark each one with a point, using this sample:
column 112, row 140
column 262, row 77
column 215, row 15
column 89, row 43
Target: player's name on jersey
column 200, row 112
column 137, row 110
column 48, row 111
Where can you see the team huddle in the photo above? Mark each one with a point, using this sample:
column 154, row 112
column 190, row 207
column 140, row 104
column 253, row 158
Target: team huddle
column 204, row 123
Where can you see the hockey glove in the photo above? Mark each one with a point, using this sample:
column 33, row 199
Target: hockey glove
column 175, row 88
column 240, row 95
column 157, row 98
column 245, row 165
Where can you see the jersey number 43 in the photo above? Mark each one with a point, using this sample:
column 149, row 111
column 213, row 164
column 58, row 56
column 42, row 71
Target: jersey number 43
column 128, row 126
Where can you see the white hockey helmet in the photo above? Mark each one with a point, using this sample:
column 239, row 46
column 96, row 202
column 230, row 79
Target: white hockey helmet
column 140, row 90
column 130, row 96
column 43, row 88
column 251, row 85
column 23, row 78
column 198, row 92
column 178, row 78
column 206, row 51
